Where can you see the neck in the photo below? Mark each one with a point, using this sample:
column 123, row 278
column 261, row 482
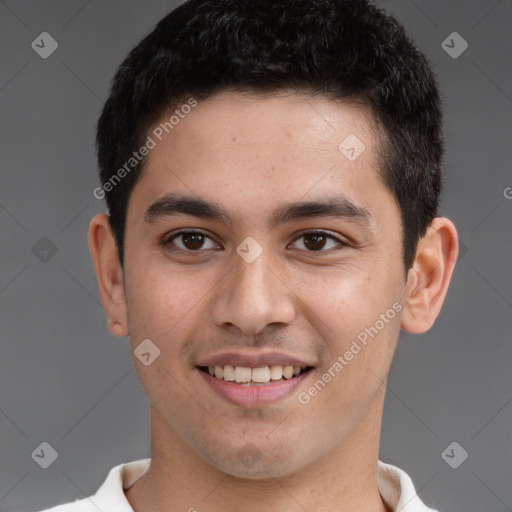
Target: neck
column 343, row 479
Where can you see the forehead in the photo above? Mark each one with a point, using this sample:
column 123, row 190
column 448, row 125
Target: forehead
column 271, row 120
column 254, row 152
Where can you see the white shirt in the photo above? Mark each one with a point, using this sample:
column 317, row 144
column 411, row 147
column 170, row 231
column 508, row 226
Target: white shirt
column 395, row 486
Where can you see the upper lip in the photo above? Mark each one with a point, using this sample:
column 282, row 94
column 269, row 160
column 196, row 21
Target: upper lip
column 253, row 359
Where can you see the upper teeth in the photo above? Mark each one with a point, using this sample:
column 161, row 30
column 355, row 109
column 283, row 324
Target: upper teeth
column 244, row 374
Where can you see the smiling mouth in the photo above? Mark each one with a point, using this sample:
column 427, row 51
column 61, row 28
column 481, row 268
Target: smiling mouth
column 260, row 376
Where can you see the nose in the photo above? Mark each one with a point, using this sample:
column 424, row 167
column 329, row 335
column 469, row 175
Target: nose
column 253, row 296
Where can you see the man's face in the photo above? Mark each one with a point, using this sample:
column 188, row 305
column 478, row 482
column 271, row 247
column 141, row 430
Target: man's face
column 285, row 296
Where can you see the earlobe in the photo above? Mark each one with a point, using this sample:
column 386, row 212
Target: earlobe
column 430, row 275
column 109, row 273
column 116, row 328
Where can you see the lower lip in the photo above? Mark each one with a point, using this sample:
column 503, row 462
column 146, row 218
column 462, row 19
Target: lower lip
column 253, row 396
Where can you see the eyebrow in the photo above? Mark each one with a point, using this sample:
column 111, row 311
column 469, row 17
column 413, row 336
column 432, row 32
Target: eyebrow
column 337, row 206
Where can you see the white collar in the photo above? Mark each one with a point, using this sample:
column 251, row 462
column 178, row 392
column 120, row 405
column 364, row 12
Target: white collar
column 395, row 486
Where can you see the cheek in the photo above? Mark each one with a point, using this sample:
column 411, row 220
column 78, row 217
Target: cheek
column 358, row 316
column 169, row 307
column 156, row 300
column 347, row 298
column 162, row 306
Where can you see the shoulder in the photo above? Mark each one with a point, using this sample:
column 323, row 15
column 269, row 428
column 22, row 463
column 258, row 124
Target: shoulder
column 110, row 496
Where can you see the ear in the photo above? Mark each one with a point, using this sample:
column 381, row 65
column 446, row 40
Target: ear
column 109, row 272
column 429, row 276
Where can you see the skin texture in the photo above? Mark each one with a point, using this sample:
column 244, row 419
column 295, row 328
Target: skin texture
column 252, row 154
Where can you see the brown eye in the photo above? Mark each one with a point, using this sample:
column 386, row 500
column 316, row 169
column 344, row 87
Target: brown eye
column 193, row 241
column 189, row 241
column 316, row 241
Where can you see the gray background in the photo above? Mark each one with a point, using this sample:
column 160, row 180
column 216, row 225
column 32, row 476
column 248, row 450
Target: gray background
column 66, row 381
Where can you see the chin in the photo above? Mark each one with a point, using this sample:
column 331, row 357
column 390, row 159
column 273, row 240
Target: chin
column 253, row 463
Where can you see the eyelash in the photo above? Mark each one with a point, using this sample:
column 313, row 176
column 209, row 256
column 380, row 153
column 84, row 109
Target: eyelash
column 169, row 239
